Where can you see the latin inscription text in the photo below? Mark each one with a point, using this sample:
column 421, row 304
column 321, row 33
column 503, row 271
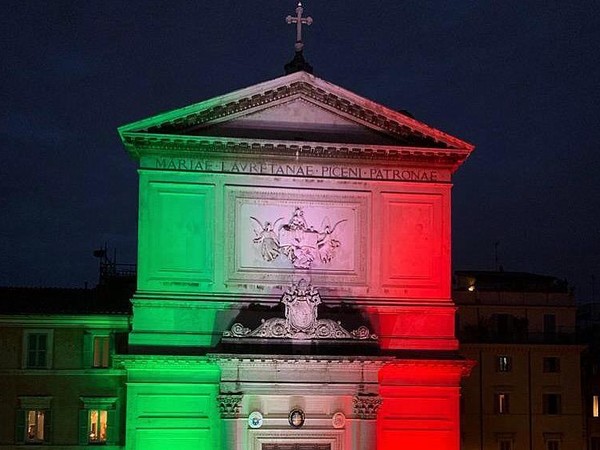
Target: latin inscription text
column 297, row 170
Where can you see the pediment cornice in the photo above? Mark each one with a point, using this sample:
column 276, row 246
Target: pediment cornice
column 183, row 127
column 141, row 144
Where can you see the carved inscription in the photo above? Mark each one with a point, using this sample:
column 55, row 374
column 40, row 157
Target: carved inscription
column 297, row 170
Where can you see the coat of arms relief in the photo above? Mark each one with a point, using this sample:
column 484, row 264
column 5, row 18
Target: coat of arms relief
column 297, row 240
column 301, row 320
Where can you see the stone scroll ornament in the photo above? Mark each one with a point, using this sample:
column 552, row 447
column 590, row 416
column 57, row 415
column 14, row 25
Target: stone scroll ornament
column 230, row 404
column 301, row 320
column 296, row 240
column 366, row 405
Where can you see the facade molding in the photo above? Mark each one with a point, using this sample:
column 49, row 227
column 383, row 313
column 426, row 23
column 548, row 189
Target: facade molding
column 99, row 372
column 524, row 347
column 142, row 144
column 300, row 84
column 67, row 321
column 155, row 361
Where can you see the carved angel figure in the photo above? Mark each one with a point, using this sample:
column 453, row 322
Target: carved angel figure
column 267, row 238
column 327, row 242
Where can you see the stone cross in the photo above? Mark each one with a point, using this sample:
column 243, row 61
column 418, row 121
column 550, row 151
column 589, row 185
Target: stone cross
column 299, row 20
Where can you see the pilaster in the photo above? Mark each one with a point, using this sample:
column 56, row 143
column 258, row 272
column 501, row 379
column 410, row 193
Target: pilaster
column 420, row 404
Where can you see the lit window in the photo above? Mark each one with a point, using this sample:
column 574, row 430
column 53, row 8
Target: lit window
column 501, row 401
column 34, row 426
column 595, row 407
column 552, row 404
column 504, row 363
column 98, row 421
column 551, row 364
column 37, row 349
column 97, row 426
column 101, row 351
column 98, row 348
column 33, row 420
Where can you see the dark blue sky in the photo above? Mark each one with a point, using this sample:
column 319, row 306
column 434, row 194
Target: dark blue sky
column 520, row 79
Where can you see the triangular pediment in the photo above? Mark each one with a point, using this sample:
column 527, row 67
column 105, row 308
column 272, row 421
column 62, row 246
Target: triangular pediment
column 299, row 108
column 298, row 119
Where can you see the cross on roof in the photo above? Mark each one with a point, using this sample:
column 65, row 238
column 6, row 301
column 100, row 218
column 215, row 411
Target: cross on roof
column 299, row 21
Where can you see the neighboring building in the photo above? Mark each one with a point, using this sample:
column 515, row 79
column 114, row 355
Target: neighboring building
column 588, row 322
column 58, row 385
column 525, row 392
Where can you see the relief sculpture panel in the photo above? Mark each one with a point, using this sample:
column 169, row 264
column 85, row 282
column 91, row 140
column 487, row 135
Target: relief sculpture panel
column 277, row 233
column 296, row 240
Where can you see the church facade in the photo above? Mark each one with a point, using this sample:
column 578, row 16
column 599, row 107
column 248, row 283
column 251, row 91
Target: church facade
column 293, row 275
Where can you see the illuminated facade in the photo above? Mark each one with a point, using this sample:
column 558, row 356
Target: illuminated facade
column 293, row 275
column 293, row 289
column 525, row 392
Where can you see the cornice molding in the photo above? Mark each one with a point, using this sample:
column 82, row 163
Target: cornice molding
column 172, row 131
column 373, row 361
column 438, row 372
column 142, row 144
column 62, row 372
column 152, row 362
column 337, row 99
column 521, row 347
column 90, row 321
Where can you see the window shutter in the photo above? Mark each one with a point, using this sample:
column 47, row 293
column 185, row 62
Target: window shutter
column 47, row 425
column 20, row 426
column 112, row 427
column 42, row 351
column 31, row 350
column 111, row 348
column 83, row 427
column 87, row 351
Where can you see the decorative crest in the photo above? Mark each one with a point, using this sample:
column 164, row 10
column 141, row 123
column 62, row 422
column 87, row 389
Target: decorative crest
column 301, row 320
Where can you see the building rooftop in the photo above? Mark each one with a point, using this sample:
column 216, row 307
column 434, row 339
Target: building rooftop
column 37, row 300
column 500, row 281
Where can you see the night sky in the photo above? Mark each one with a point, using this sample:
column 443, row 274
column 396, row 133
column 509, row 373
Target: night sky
column 520, row 79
